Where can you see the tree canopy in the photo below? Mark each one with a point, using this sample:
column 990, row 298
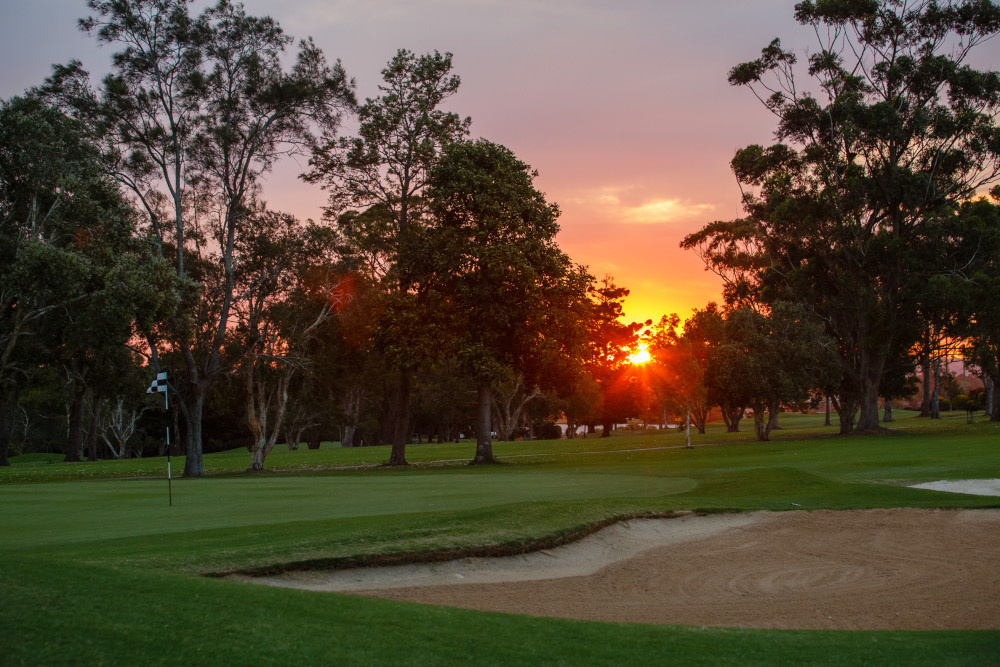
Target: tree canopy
column 890, row 132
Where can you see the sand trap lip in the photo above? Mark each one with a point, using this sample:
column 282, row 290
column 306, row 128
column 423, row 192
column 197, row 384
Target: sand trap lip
column 613, row 544
column 972, row 487
column 889, row 569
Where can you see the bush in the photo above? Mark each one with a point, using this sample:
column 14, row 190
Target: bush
column 963, row 402
column 547, row 430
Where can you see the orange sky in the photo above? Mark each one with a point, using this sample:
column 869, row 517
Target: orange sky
column 622, row 107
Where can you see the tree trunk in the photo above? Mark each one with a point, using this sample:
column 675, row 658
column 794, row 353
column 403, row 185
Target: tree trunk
column 180, row 436
column 846, row 408
column 887, row 413
column 193, row 465
column 868, row 420
column 402, row 423
column 6, row 420
column 935, row 398
column 608, row 427
column 347, row 438
column 870, row 375
column 91, row 443
column 761, row 420
column 699, row 415
column 925, row 401
column 826, row 422
column 687, row 428
column 868, row 416
column 732, row 416
column 993, row 400
column 262, row 406
column 772, row 415
column 74, row 446
column 257, row 457
column 761, row 426
column 314, row 438
column 484, row 410
column 387, row 420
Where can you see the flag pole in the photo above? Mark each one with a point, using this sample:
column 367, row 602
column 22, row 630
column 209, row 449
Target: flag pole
column 159, row 384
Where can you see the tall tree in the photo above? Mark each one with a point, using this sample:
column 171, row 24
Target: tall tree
column 682, row 357
column 894, row 129
column 377, row 179
column 609, row 343
column 76, row 284
column 200, row 101
column 494, row 252
column 980, row 285
column 291, row 283
column 727, row 368
column 782, row 356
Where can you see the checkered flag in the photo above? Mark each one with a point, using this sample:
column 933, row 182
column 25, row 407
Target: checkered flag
column 159, row 384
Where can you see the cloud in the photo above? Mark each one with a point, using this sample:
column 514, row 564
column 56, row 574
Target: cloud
column 624, row 205
column 664, row 210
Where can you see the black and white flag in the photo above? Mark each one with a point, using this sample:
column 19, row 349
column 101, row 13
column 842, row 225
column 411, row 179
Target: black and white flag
column 159, row 384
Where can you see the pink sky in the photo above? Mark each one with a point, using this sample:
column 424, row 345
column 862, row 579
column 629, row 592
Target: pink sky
column 622, row 107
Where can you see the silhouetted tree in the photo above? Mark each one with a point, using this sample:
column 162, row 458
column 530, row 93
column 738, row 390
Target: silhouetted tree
column 894, row 130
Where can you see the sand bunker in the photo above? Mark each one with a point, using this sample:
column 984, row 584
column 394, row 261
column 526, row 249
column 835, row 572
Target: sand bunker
column 874, row 569
column 973, row 487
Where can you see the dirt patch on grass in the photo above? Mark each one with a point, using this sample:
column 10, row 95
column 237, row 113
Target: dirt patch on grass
column 874, row 569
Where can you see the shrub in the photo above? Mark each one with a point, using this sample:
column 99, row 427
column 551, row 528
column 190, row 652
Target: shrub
column 547, row 430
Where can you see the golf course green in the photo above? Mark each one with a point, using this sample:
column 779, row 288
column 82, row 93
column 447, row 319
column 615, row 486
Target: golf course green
column 98, row 568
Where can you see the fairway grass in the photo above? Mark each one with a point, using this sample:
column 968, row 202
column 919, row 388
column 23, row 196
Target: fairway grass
column 97, row 568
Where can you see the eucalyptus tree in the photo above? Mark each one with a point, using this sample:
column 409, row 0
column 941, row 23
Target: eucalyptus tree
column 724, row 375
column 292, row 282
column 780, row 357
column 76, row 283
column 51, row 185
column 893, row 129
column 376, row 181
column 979, row 286
column 196, row 110
column 505, row 281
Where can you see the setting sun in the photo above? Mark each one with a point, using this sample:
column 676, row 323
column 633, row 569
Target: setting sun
column 640, row 356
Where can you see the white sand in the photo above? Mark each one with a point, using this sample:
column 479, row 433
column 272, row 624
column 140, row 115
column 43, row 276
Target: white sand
column 972, row 487
column 889, row 569
column 614, row 544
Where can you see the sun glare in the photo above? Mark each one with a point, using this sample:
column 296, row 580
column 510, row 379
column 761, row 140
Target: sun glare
column 640, row 356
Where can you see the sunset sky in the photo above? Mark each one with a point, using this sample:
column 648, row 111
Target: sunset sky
column 622, row 107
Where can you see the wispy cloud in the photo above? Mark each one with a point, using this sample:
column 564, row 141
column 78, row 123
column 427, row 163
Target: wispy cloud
column 623, row 204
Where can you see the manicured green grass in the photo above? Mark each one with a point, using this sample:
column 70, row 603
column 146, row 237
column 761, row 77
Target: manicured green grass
column 97, row 568
column 42, row 467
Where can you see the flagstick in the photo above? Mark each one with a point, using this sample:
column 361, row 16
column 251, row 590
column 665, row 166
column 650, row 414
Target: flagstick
column 156, row 386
